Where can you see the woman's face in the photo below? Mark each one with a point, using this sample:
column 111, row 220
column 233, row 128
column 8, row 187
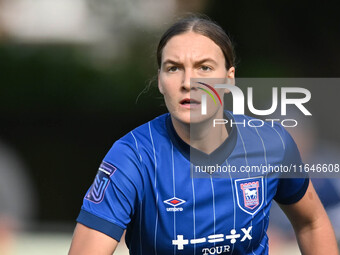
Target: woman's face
column 185, row 56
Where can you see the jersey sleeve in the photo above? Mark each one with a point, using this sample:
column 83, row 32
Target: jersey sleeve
column 110, row 202
column 290, row 190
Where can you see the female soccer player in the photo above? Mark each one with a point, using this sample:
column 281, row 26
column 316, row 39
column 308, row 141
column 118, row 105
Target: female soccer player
column 144, row 183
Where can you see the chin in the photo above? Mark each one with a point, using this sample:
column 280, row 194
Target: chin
column 183, row 119
column 192, row 119
column 197, row 119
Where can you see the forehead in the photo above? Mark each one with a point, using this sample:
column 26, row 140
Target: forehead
column 192, row 45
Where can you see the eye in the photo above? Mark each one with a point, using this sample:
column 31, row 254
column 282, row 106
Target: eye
column 172, row 69
column 205, row 68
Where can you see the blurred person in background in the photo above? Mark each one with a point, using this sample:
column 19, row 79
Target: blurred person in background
column 17, row 204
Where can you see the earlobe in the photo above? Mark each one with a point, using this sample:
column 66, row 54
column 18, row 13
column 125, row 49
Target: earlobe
column 160, row 88
column 159, row 84
column 231, row 73
column 230, row 79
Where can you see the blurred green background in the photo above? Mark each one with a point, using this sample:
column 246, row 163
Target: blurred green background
column 71, row 72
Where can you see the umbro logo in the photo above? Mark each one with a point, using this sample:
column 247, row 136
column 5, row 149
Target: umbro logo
column 174, row 202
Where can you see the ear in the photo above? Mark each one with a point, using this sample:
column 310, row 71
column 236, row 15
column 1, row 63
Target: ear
column 231, row 73
column 159, row 84
column 230, row 79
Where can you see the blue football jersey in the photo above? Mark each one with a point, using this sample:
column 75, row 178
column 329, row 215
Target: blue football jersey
column 148, row 185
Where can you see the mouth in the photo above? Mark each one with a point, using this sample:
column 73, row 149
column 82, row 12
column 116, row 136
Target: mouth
column 189, row 101
column 190, row 104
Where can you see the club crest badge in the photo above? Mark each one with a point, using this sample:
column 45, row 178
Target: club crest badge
column 101, row 181
column 249, row 193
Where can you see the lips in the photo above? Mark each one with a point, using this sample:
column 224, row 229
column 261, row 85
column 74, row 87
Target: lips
column 189, row 101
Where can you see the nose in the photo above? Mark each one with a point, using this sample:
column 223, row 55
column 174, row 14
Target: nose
column 187, row 75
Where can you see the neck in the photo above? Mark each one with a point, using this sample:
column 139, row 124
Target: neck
column 202, row 136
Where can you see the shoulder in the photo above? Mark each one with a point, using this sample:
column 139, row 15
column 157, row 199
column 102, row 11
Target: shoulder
column 150, row 130
column 146, row 134
column 139, row 141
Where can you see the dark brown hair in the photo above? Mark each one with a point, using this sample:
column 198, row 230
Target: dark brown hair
column 203, row 26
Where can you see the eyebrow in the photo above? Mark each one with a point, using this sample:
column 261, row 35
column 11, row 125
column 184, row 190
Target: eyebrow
column 169, row 61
